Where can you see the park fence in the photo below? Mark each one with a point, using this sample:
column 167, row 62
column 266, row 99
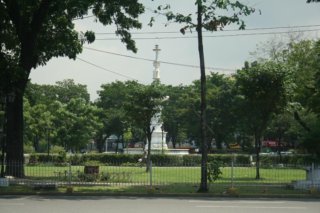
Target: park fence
column 135, row 174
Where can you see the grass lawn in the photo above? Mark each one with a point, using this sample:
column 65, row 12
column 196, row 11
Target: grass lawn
column 177, row 189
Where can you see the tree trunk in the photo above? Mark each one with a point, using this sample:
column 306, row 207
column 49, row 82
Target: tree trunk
column 117, row 146
column 36, row 143
column 14, row 146
column 204, row 146
column 148, row 161
column 27, row 34
column 100, row 142
column 257, row 146
column 279, row 148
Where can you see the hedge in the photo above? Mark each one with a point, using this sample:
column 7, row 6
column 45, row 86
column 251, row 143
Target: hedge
column 169, row 160
column 288, row 159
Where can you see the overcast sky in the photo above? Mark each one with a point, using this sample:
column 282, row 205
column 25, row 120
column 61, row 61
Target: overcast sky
column 227, row 52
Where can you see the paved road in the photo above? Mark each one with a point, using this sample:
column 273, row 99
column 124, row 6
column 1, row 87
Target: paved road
column 36, row 204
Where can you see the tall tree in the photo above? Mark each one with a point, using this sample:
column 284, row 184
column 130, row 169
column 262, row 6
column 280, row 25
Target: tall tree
column 38, row 120
column 144, row 102
column 32, row 32
column 211, row 16
column 264, row 89
column 112, row 99
column 173, row 112
column 75, row 124
column 67, row 89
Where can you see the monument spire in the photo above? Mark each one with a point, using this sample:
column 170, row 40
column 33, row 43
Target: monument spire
column 156, row 64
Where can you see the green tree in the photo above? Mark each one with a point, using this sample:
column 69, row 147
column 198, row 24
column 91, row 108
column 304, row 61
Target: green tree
column 173, row 112
column 300, row 56
column 112, row 99
column 264, row 89
column 144, row 102
column 76, row 124
column 211, row 16
column 62, row 113
column 34, row 32
column 67, row 89
column 38, row 120
column 221, row 108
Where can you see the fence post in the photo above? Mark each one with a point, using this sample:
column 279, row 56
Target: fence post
column 69, row 175
column 232, row 165
column 150, row 174
column 312, row 175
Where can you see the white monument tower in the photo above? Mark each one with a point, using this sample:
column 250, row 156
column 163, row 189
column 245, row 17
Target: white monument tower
column 156, row 64
column 158, row 137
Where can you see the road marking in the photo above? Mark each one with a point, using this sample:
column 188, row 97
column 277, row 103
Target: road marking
column 244, row 202
column 253, row 207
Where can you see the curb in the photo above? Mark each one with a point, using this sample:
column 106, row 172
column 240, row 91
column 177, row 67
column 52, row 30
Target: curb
column 200, row 195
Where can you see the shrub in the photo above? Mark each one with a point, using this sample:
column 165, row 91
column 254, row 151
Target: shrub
column 28, row 149
column 167, row 160
column 214, row 170
column 192, row 160
column 56, row 149
column 88, row 177
column 76, row 159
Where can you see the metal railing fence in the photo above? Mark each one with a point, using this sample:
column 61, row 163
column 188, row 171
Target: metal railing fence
column 232, row 175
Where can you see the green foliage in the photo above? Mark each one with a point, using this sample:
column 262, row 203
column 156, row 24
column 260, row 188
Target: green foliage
column 264, row 89
column 33, row 32
column 60, row 114
column 128, row 159
column 112, row 159
column 112, row 99
column 37, row 158
column 288, row 160
column 175, row 118
column 302, row 57
column 57, row 150
column 76, row 159
column 214, row 171
column 311, row 140
column 216, row 15
column 166, row 160
column 211, row 16
column 92, row 163
column 89, row 177
column 221, row 110
column 28, row 149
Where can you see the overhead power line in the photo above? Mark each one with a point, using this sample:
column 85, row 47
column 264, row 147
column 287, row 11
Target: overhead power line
column 108, row 70
column 163, row 62
column 231, row 30
column 211, row 36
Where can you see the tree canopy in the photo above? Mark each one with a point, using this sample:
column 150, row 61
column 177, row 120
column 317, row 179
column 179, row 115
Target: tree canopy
column 32, row 32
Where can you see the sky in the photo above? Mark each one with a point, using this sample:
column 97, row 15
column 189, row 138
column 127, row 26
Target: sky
column 104, row 61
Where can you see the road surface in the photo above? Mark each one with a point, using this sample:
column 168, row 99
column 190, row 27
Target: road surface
column 97, row 204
